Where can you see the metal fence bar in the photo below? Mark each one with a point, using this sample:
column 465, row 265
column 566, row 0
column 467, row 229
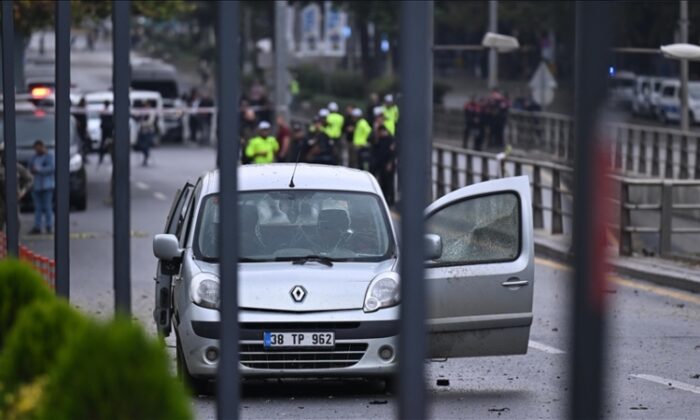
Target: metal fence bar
column 416, row 19
column 228, row 83
column 587, row 364
column 62, row 225
column 8, row 102
column 666, row 222
column 121, row 75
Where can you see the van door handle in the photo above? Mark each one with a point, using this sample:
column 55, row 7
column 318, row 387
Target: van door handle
column 515, row 282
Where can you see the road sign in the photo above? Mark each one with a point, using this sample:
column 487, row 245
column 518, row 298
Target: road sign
column 542, row 85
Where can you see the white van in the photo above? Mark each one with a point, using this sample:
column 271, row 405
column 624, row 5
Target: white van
column 669, row 105
column 94, row 103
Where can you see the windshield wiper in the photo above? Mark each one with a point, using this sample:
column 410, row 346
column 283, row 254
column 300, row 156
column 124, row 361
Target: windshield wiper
column 306, row 258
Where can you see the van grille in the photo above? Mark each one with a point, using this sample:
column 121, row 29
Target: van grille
column 341, row 356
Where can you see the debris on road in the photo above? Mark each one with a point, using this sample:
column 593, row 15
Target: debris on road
column 499, row 410
column 378, row 402
column 639, row 407
column 696, row 376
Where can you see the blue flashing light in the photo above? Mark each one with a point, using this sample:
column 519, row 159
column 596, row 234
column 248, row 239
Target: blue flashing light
column 347, row 32
column 384, row 45
column 611, row 71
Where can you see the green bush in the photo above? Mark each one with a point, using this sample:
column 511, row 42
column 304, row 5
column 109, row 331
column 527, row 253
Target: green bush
column 113, row 371
column 20, row 285
column 314, row 81
column 32, row 346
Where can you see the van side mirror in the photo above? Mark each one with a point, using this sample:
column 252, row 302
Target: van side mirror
column 166, row 247
column 433, row 246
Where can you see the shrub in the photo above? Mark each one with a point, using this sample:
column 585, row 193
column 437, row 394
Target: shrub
column 113, row 371
column 32, row 346
column 20, row 285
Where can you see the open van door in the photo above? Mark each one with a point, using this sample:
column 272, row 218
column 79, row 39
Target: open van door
column 480, row 288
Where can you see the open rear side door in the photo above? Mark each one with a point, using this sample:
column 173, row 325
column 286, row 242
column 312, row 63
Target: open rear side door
column 480, row 289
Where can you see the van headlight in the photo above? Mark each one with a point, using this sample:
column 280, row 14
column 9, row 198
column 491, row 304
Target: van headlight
column 204, row 291
column 382, row 292
column 76, row 162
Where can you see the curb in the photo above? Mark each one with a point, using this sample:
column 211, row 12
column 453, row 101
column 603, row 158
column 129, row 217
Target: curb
column 647, row 271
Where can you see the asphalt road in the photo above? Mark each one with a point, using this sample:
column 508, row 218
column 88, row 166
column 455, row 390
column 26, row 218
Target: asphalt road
column 654, row 332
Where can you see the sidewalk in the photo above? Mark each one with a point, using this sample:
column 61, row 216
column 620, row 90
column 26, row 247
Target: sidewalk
column 664, row 272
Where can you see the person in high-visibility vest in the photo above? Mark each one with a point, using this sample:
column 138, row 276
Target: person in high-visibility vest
column 360, row 140
column 391, row 114
column 334, row 129
column 263, row 147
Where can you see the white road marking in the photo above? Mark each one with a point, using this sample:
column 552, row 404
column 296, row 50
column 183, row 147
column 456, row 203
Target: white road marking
column 159, row 196
column 545, row 348
column 142, row 185
column 668, row 382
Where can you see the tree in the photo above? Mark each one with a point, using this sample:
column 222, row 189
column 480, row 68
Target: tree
column 32, row 15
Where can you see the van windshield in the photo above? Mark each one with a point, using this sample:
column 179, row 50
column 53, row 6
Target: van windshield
column 284, row 225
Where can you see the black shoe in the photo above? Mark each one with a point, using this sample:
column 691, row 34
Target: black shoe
column 35, row 231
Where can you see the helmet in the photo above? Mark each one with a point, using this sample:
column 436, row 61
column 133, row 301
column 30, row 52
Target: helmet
column 333, row 107
column 378, row 110
column 323, row 112
column 264, row 125
column 357, row 112
column 389, row 98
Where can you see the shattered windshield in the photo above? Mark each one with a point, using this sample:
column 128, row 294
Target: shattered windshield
column 288, row 224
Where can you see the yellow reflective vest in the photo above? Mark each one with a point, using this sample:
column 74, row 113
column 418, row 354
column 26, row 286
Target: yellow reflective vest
column 361, row 135
column 335, row 125
column 262, row 150
column 392, row 113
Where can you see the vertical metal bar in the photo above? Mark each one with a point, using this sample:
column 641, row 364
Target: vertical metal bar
column 683, row 161
column 697, row 158
column 537, row 210
column 493, row 55
column 683, row 27
column 441, row 187
column 668, row 173
column 470, row 169
column 228, row 83
column 454, row 167
column 629, row 152
column 666, row 223
column 62, row 225
column 642, row 164
column 8, row 114
column 484, row 168
column 655, row 155
column 625, row 239
column 416, row 69
column 557, row 216
column 593, row 41
column 121, row 78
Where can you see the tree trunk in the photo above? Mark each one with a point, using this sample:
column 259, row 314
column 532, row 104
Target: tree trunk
column 361, row 24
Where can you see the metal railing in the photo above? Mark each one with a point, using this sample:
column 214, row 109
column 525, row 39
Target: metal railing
column 638, row 150
column 552, row 196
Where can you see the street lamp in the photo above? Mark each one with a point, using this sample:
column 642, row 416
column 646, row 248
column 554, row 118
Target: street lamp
column 497, row 43
column 684, row 53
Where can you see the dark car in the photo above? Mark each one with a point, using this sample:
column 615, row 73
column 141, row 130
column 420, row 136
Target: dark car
column 40, row 124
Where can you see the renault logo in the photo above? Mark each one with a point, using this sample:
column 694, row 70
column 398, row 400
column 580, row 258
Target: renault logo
column 298, row 293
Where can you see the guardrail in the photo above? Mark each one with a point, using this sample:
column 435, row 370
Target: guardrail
column 552, row 197
column 638, row 150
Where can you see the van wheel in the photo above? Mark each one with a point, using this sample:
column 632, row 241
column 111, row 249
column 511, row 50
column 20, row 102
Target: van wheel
column 197, row 386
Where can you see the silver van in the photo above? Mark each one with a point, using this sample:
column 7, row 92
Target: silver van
column 319, row 288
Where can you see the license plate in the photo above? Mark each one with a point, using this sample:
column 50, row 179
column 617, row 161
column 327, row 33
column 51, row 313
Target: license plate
column 274, row 340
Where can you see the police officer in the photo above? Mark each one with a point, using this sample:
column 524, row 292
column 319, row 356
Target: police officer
column 263, row 147
column 360, row 140
column 391, row 114
column 319, row 144
column 385, row 162
column 334, row 129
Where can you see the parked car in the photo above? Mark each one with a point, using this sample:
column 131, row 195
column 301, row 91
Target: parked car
column 669, row 105
column 318, row 273
column 31, row 124
column 621, row 86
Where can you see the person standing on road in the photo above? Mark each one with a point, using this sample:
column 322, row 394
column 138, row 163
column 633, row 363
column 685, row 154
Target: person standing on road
column 391, row 114
column 81, row 126
column 263, row 147
column 24, row 181
column 319, row 144
column 371, row 106
column 283, row 138
column 147, row 131
column 42, row 166
column 107, row 131
column 334, row 130
column 385, row 162
column 360, row 140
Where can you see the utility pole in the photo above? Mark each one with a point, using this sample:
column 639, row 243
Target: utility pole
column 493, row 55
column 281, row 58
column 683, row 26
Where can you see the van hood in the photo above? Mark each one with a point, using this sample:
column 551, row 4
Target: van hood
column 268, row 286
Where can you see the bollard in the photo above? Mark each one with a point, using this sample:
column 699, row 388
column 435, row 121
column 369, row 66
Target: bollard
column 52, row 274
